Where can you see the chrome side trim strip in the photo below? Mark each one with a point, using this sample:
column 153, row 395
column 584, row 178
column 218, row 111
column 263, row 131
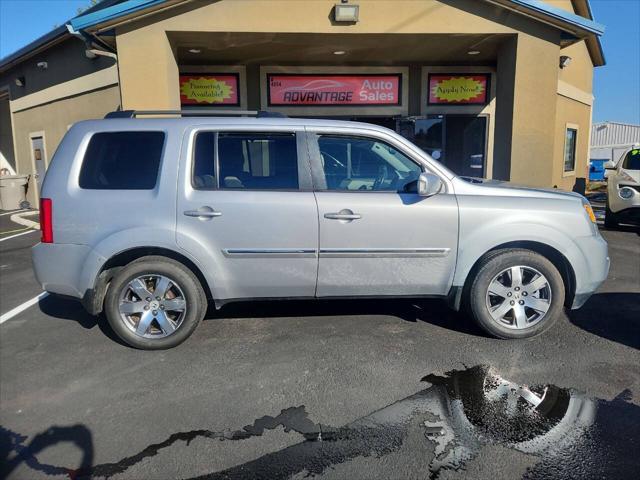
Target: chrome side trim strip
column 270, row 252
column 383, row 252
column 335, row 252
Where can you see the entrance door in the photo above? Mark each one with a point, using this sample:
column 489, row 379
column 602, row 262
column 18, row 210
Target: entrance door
column 465, row 144
column 37, row 149
column 247, row 207
column 377, row 236
column 458, row 141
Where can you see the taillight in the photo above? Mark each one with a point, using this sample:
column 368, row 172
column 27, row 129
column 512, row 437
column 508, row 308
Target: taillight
column 46, row 220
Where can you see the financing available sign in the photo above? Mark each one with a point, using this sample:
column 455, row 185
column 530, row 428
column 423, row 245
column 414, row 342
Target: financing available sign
column 458, row 89
column 209, row 89
column 336, row 89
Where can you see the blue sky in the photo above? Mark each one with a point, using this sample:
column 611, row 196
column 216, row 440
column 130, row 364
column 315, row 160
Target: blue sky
column 617, row 85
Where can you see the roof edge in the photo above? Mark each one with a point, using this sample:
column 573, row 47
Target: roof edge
column 576, row 22
column 111, row 13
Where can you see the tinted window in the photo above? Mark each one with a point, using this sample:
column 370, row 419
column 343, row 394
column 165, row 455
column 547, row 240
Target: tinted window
column 632, row 160
column 258, row 161
column 570, row 150
column 354, row 163
column 122, row 161
column 204, row 167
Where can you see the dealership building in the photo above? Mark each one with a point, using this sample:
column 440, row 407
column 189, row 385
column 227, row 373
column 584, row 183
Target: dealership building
column 491, row 88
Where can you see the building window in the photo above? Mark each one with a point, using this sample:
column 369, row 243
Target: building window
column 570, row 150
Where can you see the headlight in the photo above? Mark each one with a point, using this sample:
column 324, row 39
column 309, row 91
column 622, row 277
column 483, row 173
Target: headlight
column 626, row 193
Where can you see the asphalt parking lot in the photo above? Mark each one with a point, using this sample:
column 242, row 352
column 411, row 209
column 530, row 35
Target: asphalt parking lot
column 342, row 389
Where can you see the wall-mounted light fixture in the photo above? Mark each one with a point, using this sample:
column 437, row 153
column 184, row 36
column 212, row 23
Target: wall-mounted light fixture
column 346, row 12
column 20, row 81
column 565, row 61
column 195, row 50
column 42, row 65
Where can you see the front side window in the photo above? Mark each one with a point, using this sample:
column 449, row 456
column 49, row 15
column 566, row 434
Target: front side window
column 570, row 150
column 632, row 160
column 258, row 161
column 357, row 163
column 122, row 161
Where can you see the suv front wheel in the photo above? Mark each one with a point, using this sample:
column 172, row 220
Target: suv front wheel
column 155, row 303
column 516, row 293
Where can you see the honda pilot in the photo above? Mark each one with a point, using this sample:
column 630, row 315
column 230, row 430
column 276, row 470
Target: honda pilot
column 152, row 220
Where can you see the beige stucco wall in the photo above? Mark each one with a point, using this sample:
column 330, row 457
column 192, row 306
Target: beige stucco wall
column 54, row 119
column 580, row 72
column 534, row 111
column 577, row 115
column 149, row 72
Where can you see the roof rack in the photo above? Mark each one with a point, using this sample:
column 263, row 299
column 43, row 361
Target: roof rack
column 196, row 113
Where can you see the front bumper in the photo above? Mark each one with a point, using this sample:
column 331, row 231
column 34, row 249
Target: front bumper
column 629, row 215
column 595, row 270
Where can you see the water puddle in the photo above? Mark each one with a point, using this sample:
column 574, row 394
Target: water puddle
column 459, row 413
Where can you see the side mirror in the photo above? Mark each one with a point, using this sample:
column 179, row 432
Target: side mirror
column 609, row 165
column 429, row 184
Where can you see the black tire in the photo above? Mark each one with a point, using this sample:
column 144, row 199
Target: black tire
column 495, row 263
column 195, row 299
column 610, row 219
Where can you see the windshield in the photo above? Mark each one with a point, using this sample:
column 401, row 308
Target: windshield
column 632, row 160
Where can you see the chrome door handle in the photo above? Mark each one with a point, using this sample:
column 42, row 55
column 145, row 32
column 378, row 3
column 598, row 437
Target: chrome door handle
column 342, row 216
column 209, row 213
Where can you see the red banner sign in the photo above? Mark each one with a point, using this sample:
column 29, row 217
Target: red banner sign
column 209, row 89
column 458, row 89
column 356, row 90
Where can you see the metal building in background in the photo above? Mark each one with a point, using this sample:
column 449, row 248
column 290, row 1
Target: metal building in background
column 609, row 140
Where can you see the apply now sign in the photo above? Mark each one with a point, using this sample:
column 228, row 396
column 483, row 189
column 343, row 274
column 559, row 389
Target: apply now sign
column 458, row 89
column 337, row 89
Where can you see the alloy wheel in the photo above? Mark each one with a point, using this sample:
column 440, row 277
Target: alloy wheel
column 518, row 297
column 152, row 306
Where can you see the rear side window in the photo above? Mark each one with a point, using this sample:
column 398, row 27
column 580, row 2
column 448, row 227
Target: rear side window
column 258, row 161
column 122, row 161
column 249, row 161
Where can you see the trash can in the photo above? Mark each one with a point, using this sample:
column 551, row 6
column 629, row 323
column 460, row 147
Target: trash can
column 12, row 191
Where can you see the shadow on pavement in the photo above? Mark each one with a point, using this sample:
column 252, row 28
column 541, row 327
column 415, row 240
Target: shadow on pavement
column 69, row 309
column 614, row 316
column 431, row 311
column 624, row 228
column 14, row 451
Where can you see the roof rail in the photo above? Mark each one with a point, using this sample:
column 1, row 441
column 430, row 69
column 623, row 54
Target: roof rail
column 196, row 113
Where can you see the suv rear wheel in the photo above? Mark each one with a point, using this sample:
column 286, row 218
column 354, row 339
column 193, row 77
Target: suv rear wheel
column 516, row 293
column 155, row 303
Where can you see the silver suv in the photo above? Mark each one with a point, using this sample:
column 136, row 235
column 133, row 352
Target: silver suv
column 151, row 220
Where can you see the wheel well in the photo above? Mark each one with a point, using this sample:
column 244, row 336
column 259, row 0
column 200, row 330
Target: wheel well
column 550, row 253
column 111, row 266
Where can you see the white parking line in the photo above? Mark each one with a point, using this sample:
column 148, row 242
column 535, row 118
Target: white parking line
column 17, row 235
column 10, row 213
column 21, row 308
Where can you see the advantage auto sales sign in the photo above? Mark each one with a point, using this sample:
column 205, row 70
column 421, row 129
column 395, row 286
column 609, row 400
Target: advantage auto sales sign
column 337, row 89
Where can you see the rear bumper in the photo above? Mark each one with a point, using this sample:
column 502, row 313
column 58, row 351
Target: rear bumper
column 58, row 267
column 595, row 270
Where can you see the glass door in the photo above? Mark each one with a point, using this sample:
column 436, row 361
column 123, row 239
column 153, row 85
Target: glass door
column 458, row 141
